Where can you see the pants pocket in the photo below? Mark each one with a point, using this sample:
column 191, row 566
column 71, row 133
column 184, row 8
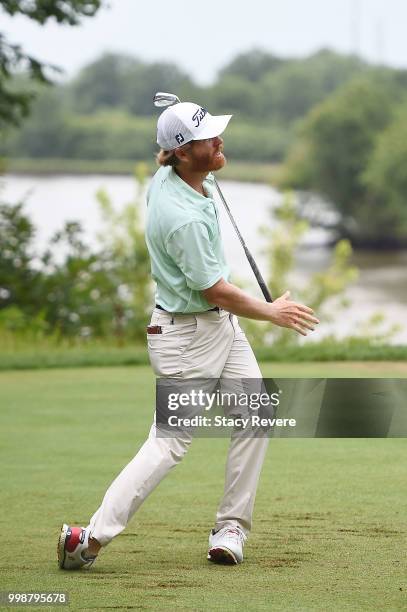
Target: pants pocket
column 165, row 350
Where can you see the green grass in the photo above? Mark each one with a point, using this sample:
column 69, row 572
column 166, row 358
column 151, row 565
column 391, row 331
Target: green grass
column 329, row 530
column 28, row 356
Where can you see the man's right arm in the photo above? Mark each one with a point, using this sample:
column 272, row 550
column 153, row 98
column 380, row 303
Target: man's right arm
column 283, row 311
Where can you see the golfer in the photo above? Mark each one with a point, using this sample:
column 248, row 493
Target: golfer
column 193, row 333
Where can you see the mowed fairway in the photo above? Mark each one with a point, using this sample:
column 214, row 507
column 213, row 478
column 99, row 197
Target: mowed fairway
column 329, row 530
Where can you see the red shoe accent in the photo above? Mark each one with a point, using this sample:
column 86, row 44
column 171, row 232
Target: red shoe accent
column 73, row 538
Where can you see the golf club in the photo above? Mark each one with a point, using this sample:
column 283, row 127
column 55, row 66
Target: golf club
column 163, row 99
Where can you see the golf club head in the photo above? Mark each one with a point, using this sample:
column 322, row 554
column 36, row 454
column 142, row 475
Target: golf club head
column 162, row 99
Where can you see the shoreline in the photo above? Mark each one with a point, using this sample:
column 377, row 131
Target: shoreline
column 248, row 172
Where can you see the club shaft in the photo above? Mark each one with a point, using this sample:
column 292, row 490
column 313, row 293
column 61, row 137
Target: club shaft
column 250, row 258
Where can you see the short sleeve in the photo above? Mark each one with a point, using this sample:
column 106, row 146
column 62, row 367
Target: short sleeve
column 190, row 248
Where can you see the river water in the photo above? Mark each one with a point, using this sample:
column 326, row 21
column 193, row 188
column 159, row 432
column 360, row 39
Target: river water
column 381, row 286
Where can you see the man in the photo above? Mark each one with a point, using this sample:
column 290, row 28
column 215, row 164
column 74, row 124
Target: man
column 193, row 333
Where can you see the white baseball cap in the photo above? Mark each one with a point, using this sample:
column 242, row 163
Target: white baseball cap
column 187, row 121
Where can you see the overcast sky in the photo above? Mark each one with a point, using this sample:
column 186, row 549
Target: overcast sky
column 202, row 36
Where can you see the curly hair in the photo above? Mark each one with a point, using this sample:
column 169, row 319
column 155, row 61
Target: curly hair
column 167, row 158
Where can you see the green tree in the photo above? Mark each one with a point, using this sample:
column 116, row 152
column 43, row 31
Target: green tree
column 143, row 81
column 101, row 83
column 232, row 95
column 386, row 181
column 251, row 66
column 336, row 144
column 120, row 81
column 44, row 132
column 289, row 92
column 14, row 102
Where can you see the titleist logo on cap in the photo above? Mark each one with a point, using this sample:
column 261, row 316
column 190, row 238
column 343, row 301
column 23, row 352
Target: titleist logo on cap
column 198, row 116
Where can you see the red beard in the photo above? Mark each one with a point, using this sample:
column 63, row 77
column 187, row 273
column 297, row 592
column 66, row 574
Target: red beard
column 207, row 162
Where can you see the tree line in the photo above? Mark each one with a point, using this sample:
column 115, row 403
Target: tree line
column 336, row 123
column 106, row 111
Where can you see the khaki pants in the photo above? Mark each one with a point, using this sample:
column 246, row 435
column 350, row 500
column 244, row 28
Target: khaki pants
column 206, row 345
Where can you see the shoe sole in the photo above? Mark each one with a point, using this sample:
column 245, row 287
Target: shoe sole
column 61, row 545
column 222, row 555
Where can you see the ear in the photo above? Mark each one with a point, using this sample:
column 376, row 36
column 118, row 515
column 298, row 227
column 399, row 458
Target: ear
column 182, row 153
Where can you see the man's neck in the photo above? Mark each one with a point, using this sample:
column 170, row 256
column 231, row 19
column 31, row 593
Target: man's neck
column 193, row 179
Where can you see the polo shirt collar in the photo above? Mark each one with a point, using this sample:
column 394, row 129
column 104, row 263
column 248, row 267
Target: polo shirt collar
column 184, row 185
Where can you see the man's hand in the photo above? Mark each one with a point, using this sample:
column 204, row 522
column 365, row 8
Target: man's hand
column 286, row 313
column 283, row 311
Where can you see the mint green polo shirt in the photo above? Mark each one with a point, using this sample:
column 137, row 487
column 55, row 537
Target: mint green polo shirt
column 184, row 241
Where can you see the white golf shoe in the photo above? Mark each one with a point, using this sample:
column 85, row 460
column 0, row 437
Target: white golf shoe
column 72, row 546
column 226, row 545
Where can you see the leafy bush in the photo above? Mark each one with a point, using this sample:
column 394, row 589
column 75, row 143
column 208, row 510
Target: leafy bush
column 88, row 294
column 283, row 242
